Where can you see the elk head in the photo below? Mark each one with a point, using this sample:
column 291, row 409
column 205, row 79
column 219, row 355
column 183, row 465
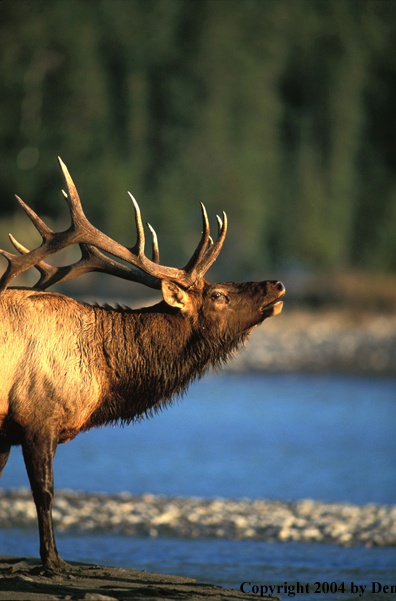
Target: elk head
column 229, row 309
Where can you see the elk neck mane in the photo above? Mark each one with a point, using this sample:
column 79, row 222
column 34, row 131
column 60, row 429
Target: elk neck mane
column 174, row 349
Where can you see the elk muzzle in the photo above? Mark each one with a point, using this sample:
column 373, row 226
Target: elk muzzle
column 273, row 305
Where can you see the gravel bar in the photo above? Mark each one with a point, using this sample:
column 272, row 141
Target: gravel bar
column 149, row 515
column 327, row 340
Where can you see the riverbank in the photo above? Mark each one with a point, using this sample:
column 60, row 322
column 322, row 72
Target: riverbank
column 179, row 517
column 22, row 579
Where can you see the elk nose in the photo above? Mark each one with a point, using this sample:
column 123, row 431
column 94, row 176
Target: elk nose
column 279, row 287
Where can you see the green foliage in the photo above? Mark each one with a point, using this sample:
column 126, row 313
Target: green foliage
column 281, row 113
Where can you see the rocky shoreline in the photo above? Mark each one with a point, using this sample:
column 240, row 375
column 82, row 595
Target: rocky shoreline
column 23, row 579
column 149, row 515
column 339, row 340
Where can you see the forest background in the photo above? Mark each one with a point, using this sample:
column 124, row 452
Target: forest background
column 281, row 113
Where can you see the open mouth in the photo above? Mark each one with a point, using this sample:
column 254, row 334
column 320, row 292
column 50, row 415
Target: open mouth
column 276, row 305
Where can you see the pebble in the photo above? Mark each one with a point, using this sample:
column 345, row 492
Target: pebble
column 149, row 515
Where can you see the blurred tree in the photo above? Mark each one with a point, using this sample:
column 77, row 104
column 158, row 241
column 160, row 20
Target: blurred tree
column 280, row 113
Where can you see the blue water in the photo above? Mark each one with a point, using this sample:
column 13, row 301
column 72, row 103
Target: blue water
column 228, row 563
column 325, row 437
column 290, row 437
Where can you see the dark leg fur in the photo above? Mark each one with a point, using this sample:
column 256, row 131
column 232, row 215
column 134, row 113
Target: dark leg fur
column 38, row 456
column 4, row 454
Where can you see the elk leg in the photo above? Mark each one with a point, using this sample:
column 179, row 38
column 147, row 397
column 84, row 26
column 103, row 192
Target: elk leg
column 38, row 456
column 5, row 448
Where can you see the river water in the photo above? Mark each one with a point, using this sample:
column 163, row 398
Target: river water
column 289, row 437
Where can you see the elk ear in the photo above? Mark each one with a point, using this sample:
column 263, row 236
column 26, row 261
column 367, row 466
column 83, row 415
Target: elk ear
column 174, row 295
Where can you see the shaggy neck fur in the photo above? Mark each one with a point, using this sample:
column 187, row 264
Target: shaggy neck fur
column 152, row 356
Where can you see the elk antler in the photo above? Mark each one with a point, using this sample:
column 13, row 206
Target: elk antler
column 90, row 240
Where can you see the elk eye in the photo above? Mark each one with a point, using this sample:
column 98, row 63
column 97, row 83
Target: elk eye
column 219, row 296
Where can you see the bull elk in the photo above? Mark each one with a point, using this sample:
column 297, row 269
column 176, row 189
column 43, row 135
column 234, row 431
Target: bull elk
column 67, row 366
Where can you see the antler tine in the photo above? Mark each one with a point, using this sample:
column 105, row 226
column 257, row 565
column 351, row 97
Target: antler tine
column 155, row 250
column 73, row 200
column 46, row 271
column 214, row 250
column 138, row 249
column 20, row 248
column 38, row 223
column 203, row 243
